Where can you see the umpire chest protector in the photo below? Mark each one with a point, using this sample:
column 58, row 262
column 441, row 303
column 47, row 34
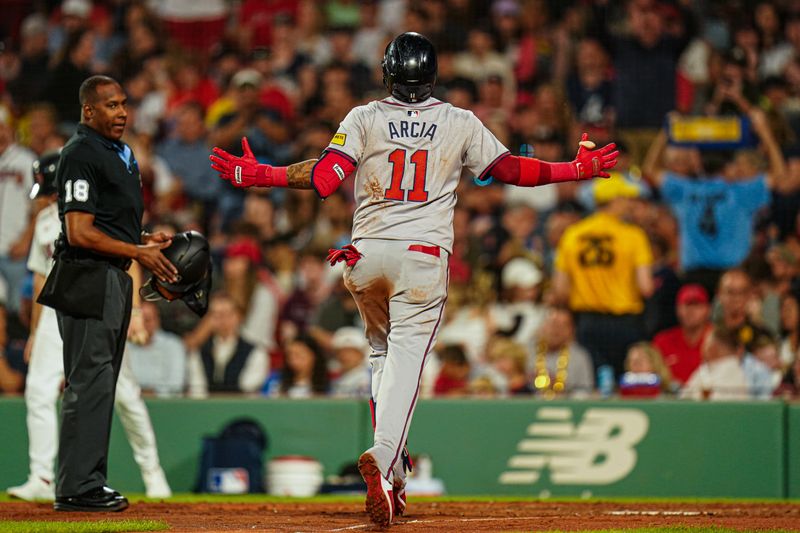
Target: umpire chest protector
column 100, row 176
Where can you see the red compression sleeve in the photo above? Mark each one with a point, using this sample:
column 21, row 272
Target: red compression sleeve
column 279, row 178
column 330, row 171
column 530, row 172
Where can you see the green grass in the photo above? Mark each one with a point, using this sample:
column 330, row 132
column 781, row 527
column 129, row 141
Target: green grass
column 99, row 526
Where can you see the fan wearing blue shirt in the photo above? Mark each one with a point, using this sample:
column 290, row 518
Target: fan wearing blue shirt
column 716, row 211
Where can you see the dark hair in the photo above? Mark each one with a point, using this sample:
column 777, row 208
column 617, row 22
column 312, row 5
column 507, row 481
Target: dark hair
column 319, row 374
column 463, row 84
column 72, row 42
column 757, row 268
column 735, row 270
column 87, row 94
column 660, row 243
column 790, row 294
column 714, row 161
column 773, row 82
column 245, row 229
column 453, row 353
column 727, row 337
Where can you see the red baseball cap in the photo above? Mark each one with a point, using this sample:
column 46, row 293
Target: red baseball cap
column 692, row 294
column 244, row 248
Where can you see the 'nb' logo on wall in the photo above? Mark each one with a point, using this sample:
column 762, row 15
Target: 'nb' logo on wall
column 598, row 450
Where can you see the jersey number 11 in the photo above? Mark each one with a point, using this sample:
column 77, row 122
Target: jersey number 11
column 398, row 160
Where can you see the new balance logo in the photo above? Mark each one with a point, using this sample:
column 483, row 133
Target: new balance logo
column 598, row 450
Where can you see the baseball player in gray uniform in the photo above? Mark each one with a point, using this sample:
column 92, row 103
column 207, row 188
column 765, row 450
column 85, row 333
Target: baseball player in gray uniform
column 46, row 370
column 408, row 153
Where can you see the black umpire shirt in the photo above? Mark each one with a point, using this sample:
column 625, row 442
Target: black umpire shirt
column 100, row 176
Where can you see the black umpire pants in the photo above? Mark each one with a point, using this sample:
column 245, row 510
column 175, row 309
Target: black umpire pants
column 92, row 360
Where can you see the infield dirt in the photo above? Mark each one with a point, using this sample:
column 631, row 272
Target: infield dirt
column 426, row 516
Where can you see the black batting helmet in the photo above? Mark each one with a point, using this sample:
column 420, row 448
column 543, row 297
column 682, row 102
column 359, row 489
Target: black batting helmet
column 44, row 175
column 190, row 254
column 409, row 67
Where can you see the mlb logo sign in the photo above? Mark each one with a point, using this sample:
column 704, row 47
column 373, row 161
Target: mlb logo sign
column 413, row 114
column 228, row 480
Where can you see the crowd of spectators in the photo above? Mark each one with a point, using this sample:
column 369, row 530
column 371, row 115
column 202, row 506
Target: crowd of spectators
column 677, row 276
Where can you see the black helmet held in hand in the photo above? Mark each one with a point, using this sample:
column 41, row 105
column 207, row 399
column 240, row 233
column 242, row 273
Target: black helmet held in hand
column 190, row 254
column 409, row 67
column 44, row 175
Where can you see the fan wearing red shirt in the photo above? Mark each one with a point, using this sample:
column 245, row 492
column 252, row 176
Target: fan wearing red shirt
column 453, row 378
column 681, row 345
column 256, row 18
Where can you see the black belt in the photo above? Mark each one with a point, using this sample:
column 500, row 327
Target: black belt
column 122, row 263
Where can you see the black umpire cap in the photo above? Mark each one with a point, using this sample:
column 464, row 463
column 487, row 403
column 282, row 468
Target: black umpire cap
column 189, row 252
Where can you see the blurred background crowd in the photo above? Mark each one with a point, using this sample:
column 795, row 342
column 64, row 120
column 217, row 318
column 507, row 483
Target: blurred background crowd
column 678, row 276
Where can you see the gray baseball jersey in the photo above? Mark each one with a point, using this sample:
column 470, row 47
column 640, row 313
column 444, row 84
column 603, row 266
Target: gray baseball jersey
column 16, row 179
column 409, row 159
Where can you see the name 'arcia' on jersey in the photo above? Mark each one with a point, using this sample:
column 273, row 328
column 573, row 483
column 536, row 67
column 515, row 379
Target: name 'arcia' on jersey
column 411, row 129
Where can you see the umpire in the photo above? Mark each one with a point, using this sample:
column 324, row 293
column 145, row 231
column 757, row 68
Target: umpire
column 100, row 206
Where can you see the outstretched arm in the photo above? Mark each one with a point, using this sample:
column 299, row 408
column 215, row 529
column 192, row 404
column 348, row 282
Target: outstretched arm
column 529, row 172
column 298, row 176
column 246, row 171
column 324, row 175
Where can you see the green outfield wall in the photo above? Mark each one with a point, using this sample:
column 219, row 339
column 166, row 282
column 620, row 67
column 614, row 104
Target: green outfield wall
column 330, row 430
column 615, row 448
column 513, row 447
column 793, row 451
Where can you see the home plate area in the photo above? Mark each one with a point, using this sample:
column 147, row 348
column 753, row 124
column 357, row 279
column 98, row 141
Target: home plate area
column 429, row 516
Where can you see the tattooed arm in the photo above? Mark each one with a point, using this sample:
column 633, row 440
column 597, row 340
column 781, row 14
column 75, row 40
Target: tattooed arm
column 328, row 172
column 298, row 176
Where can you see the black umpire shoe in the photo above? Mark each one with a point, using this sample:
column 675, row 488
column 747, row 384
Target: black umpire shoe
column 103, row 499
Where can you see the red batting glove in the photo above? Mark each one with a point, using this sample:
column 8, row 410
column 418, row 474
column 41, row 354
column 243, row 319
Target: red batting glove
column 591, row 163
column 347, row 253
column 242, row 171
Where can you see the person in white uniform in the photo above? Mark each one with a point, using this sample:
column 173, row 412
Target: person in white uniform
column 408, row 153
column 46, row 368
column 15, row 184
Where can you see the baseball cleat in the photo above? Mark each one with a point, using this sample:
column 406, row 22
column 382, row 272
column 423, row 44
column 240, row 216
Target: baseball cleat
column 399, row 497
column 32, row 490
column 380, row 500
column 155, row 484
